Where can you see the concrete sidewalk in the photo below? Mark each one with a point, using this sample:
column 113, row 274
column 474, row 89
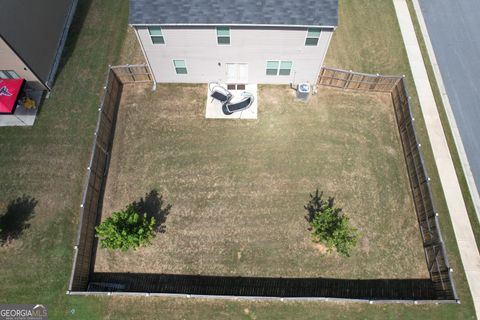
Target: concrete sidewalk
column 448, row 178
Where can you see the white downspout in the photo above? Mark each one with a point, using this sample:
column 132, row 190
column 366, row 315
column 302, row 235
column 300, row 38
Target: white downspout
column 154, row 87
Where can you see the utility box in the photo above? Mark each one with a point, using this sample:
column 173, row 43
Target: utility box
column 303, row 91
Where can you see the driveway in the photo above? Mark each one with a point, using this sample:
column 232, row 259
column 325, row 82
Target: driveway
column 454, row 27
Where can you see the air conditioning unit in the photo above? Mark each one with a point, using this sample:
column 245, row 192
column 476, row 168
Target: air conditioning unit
column 303, row 91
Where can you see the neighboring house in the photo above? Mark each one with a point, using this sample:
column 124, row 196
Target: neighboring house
column 32, row 36
column 236, row 41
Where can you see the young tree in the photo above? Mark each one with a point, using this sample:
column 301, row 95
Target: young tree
column 126, row 229
column 329, row 225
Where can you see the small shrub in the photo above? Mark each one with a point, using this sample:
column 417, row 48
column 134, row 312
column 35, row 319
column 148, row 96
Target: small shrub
column 126, row 229
column 329, row 225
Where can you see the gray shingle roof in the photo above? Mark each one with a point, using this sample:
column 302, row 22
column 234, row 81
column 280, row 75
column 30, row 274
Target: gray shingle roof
column 35, row 31
column 227, row 12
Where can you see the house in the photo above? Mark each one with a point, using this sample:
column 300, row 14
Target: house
column 236, row 41
column 32, row 36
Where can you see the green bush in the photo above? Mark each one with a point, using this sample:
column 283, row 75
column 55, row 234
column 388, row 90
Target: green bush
column 329, row 225
column 126, row 229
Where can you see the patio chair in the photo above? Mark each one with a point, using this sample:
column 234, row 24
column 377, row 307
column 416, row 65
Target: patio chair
column 229, row 108
column 219, row 93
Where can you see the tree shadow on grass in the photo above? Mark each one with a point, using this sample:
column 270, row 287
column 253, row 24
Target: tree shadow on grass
column 315, row 204
column 153, row 206
column 15, row 220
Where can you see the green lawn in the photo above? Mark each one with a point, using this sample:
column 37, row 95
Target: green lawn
column 48, row 162
column 238, row 188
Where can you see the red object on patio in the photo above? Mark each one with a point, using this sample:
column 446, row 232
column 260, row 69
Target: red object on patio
column 9, row 91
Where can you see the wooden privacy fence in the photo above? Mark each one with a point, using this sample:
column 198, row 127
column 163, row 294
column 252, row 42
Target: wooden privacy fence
column 434, row 248
column 357, row 81
column 85, row 243
column 439, row 288
column 435, row 255
column 132, row 73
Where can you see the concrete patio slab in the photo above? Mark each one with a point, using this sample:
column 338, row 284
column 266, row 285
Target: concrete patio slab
column 22, row 116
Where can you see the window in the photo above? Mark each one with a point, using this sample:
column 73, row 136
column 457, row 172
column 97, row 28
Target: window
column 282, row 68
column 312, row 37
column 8, row 74
column 223, row 35
column 180, row 66
column 272, row 68
column 285, row 67
column 156, row 35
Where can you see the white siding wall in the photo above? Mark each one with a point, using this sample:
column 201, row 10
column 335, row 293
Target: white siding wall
column 10, row 61
column 206, row 61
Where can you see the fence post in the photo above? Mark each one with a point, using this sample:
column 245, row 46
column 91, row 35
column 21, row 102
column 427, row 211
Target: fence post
column 322, row 71
column 373, row 86
column 349, row 79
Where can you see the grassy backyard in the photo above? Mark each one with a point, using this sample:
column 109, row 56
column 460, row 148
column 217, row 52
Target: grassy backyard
column 48, row 162
column 238, row 187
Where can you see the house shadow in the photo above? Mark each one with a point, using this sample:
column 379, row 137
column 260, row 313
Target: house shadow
column 357, row 289
column 78, row 21
column 153, row 206
column 15, row 220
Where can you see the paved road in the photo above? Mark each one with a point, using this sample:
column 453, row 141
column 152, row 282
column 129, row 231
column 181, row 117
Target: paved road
column 454, row 29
